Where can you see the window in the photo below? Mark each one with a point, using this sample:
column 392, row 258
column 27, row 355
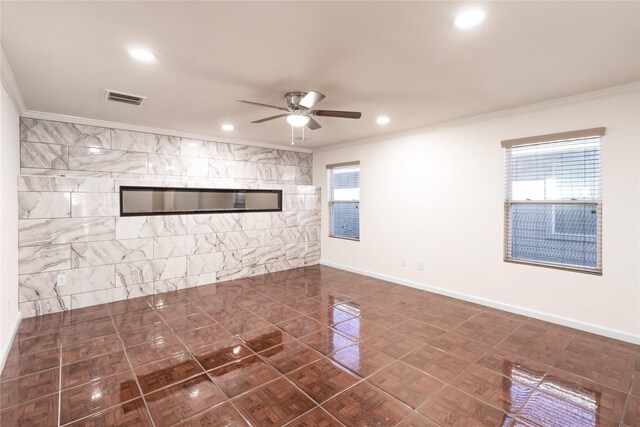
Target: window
column 553, row 206
column 344, row 200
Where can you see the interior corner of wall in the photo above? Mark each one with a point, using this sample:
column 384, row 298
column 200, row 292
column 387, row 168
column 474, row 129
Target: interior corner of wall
column 10, row 83
column 6, row 347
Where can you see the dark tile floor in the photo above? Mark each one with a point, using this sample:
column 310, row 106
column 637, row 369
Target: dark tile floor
column 313, row 347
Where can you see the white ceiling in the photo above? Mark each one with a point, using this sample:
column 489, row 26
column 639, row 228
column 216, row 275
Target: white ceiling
column 402, row 59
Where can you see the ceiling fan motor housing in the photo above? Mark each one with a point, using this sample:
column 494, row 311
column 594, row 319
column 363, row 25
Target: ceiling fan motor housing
column 293, row 99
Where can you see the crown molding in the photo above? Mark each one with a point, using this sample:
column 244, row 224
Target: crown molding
column 10, row 83
column 614, row 90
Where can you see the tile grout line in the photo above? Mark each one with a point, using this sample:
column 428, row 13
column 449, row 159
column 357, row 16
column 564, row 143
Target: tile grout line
column 494, row 347
column 472, row 363
column 321, row 409
column 534, row 389
column 552, row 365
column 625, row 407
column 206, row 373
column 283, row 376
column 327, row 357
column 60, row 377
column 237, row 336
column 135, row 377
column 154, row 361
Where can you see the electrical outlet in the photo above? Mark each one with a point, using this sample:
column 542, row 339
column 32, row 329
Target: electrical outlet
column 420, row 264
column 403, row 262
column 61, row 280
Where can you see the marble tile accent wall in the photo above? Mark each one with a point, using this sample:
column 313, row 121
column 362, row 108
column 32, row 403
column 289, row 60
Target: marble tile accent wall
column 67, row 149
column 76, row 251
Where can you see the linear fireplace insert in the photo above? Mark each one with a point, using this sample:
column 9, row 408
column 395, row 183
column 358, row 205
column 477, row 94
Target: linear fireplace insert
column 179, row 201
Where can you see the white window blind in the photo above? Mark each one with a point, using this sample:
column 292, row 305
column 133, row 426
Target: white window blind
column 553, row 206
column 344, row 200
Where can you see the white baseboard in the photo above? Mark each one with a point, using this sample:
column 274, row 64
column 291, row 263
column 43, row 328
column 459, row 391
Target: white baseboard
column 588, row 327
column 5, row 351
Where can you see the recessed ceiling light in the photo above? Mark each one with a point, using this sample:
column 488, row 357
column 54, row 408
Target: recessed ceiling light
column 297, row 120
column 142, row 55
column 383, row 120
column 227, row 127
column 469, row 19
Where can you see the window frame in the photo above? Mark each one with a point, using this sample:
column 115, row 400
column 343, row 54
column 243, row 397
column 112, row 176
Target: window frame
column 509, row 202
column 331, row 202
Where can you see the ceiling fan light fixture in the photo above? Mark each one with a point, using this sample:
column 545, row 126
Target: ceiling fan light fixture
column 297, row 120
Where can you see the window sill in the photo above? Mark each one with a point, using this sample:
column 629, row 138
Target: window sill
column 345, row 238
column 593, row 272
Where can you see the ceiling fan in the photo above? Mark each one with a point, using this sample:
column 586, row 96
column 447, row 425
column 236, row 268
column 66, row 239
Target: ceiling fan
column 299, row 110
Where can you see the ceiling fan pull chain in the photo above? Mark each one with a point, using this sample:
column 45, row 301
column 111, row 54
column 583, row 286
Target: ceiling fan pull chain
column 292, row 143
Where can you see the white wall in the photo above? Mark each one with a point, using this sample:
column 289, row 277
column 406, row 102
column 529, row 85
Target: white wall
column 437, row 194
column 9, row 169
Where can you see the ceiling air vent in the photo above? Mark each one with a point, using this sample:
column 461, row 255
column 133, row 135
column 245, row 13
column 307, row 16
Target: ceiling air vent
column 126, row 98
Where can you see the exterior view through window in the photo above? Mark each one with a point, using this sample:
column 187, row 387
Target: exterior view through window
column 344, row 200
column 553, row 206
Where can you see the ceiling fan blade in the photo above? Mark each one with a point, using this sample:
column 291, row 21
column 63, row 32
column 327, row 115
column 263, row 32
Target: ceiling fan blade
column 342, row 114
column 262, row 105
column 311, row 99
column 269, row 118
column 312, row 124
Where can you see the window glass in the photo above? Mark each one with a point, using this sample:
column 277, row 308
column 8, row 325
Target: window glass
column 344, row 201
column 552, row 203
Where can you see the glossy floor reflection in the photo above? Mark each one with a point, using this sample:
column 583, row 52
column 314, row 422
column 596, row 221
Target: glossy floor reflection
column 312, row 347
